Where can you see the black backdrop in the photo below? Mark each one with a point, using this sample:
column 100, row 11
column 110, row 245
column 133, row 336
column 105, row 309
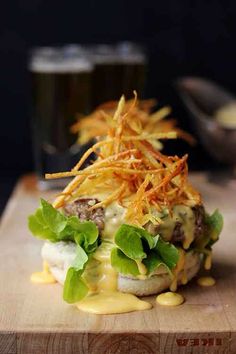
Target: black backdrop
column 182, row 37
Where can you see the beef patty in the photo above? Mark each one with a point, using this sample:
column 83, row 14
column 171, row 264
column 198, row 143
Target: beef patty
column 81, row 208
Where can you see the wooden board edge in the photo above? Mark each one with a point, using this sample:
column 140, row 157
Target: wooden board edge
column 8, row 341
column 198, row 342
column 78, row 343
column 122, row 342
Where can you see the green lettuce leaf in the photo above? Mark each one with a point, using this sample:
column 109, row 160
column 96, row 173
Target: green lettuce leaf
column 55, row 220
column 39, row 228
column 153, row 261
column 123, row 264
column 75, row 288
column 80, row 259
column 135, row 244
column 128, row 239
column 50, row 224
column 167, row 252
column 214, row 225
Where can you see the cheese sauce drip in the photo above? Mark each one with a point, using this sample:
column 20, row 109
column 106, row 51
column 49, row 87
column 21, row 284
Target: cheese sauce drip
column 184, row 215
column 104, row 299
column 206, row 281
column 142, row 268
column 170, row 299
column 114, row 218
column 44, row 277
column 208, row 261
column 180, row 267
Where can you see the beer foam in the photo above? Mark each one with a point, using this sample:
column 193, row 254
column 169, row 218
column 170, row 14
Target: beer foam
column 123, row 53
column 63, row 66
column 68, row 59
column 119, row 59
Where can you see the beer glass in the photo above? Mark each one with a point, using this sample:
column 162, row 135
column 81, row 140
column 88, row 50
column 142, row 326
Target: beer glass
column 118, row 69
column 61, row 89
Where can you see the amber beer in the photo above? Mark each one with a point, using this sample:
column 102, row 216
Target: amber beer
column 61, row 89
column 119, row 69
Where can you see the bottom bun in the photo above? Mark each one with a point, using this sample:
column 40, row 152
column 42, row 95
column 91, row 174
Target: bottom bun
column 60, row 256
column 156, row 283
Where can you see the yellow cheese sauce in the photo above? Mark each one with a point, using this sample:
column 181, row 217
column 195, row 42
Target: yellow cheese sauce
column 208, row 261
column 206, row 281
column 114, row 214
column 170, row 299
column 44, row 277
column 186, row 217
column 180, row 267
column 106, row 303
column 141, row 267
column 107, row 275
column 104, row 299
column 114, row 218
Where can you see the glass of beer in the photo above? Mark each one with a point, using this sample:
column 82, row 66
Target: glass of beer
column 118, row 69
column 61, row 90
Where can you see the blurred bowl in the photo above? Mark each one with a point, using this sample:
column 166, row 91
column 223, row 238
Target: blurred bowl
column 204, row 100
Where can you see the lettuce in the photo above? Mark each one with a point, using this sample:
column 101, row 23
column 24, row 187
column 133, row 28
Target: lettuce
column 214, row 225
column 75, row 288
column 50, row 224
column 128, row 239
column 153, row 261
column 136, row 244
column 167, row 252
column 122, row 263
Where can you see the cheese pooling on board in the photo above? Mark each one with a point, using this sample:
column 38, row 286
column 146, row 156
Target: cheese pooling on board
column 44, row 277
column 128, row 224
column 206, row 281
column 170, row 299
column 104, row 298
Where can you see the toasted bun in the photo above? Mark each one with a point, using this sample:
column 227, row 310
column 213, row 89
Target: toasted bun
column 60, row 256
column 157, row 282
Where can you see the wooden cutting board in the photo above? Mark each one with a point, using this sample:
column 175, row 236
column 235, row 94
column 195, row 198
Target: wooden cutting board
column 35, row 320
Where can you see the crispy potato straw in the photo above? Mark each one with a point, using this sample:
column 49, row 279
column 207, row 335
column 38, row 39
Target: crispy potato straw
column 98, row 123
column 129, row 170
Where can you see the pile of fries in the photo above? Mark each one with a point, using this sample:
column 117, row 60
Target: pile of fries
column 131, row 171
column 97, row 124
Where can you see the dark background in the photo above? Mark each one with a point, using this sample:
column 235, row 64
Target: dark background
column 182, row 38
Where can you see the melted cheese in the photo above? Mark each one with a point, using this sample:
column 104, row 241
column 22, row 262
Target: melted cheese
column 44, row 277
column 170, row 299
column 206, row 281
column 208, row 261
column 180, row 267
column 108, row 276
column 186, row 217
column 141, row 267
column 102, row 280
column 114, row 218
column 114, row 214
column 106, row 303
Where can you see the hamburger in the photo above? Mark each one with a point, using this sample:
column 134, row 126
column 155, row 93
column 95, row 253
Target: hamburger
column 129, row 223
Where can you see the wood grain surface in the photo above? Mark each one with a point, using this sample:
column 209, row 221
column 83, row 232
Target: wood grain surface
column 35, row 320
